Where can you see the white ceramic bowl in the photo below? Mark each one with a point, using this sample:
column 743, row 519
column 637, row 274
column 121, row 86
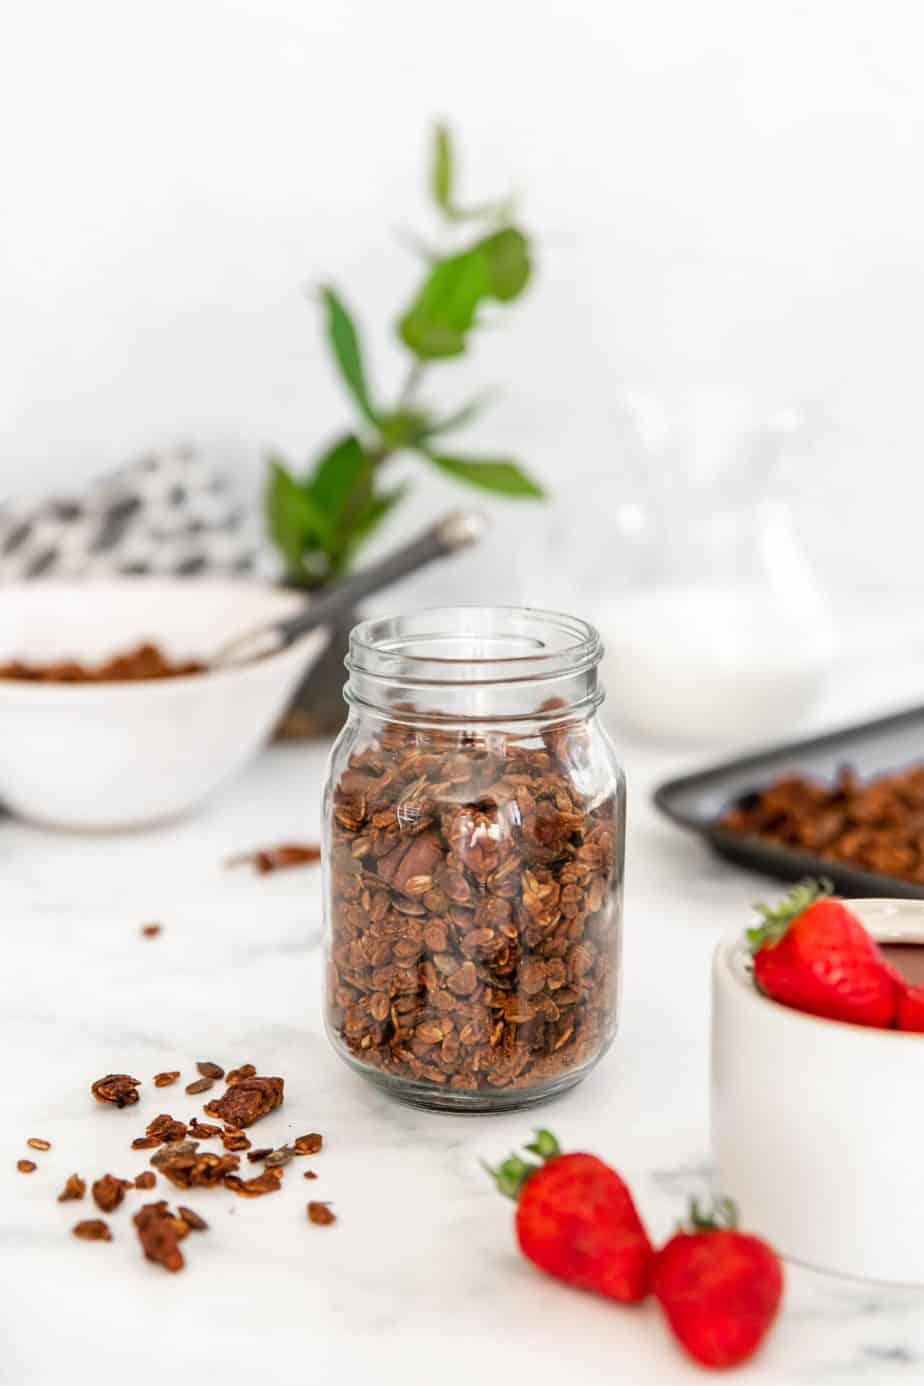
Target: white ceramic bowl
column 119, row 755
column 818, row 1126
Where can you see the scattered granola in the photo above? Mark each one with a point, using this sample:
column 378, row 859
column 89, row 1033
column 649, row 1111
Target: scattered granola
column 236, row 1074
column 151, row 930
column 92, row 1230
column 146, row 1179
column 146, row 1142
column 874, row 824
column 160, row 1234
column 192, row 1219
column 276, row 1158
column 203, row 1130
column 308, row 1145
column 261, row 1154
column 184, row 1165
column 117, row 1088
column 233, row 1139
column 210, row 1070
column 26, row 1166
column 320, row 1214
column 166, row 1129
column 266, row 1183
column 309, row 1174
column 200, row 1085
column 163, row 1080
column 74, row 1189
column 267, row 859
column 474, row 907
column 246, row 1100
column 36, row 1143
column 109, row 1191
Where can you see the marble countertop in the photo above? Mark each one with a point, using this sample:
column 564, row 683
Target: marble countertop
column 419, row 1280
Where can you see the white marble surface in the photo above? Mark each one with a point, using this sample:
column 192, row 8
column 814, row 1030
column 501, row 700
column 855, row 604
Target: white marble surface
column 419, row 1280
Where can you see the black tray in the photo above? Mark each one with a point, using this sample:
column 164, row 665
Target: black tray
column 872, row 748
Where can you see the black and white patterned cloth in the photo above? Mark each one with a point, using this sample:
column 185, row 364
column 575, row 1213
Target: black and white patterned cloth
column 172, row 513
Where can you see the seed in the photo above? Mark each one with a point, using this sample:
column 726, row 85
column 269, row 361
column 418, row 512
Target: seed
column 26, row 1166
column 282, row 1156
column 37, row 1143
column 309, row 1174
column 210, row 1070
column 200, row 1085
column 151, row 930
column 320, row 1214
column 163, row 1080
column 92, row 1230
column 145, row 1142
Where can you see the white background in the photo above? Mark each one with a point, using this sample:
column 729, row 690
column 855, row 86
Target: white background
column 723, row 191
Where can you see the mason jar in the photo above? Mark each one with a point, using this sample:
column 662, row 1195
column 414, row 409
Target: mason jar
column 474, row 831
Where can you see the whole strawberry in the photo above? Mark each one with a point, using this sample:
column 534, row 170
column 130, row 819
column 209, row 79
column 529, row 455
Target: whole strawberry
column 575, row 1219
column 719, row 1288
column 812, row 954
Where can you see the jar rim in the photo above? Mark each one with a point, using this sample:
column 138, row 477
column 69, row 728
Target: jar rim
column 474, row 644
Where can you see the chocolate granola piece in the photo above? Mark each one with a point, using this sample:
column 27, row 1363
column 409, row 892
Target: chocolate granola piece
column 74, row 1189
column 146, row 1179
column 166, row 1129
column 266, row 859
column 261, row 1154
column 246, row 1100
column 232, row 1139
column 92, row 1230
column 199, row 1085
column 192, row 1219
column 266, row 1183
column 308, row 1145
column 190, row 1169
column 146, row 1142
column 118, row 1089
column 108, row 1192
column 163, row 1080
column 236, row 1074
column 320, row 1214
column 160, row 1234
column 210, row 1070
column 203, row 1130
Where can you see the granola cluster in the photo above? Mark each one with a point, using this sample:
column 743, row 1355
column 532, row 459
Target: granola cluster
column 474, row 907
column 876, row 824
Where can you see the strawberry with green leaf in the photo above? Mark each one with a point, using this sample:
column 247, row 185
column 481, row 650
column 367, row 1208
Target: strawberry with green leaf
column 813, row 954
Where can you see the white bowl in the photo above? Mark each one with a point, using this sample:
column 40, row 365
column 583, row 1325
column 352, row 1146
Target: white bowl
column 818, row 1126
column 119, row 755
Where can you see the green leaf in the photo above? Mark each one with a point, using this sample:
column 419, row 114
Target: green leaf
column 373, row 513
column 545, row 1145
column 457, row 419
column 500, row 475
column 296, row 525
column 441, row 169
column 447, row 305
column 344, row 341
column 340, row 472
column 404, row 428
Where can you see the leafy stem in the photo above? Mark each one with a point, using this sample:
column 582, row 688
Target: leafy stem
column 319, row 520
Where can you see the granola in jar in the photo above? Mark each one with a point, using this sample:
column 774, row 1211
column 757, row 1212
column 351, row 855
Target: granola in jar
column 474, row 831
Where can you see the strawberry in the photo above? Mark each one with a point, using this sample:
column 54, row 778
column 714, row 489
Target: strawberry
column 719, row 1288
column 910, row 1013
column 811, row 953
column 575, row 1219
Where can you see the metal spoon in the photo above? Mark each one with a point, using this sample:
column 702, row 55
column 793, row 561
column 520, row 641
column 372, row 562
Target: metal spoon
column 455, row 531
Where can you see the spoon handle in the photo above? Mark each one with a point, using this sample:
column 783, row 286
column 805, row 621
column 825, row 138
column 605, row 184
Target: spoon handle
column 455, row 531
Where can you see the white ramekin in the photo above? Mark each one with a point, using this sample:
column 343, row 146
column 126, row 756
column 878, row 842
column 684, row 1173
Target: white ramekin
column 818, row 1126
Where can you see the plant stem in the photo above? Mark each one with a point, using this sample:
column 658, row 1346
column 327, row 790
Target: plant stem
column 412, row 381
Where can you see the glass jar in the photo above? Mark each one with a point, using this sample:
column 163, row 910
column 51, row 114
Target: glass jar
column 474, row 830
